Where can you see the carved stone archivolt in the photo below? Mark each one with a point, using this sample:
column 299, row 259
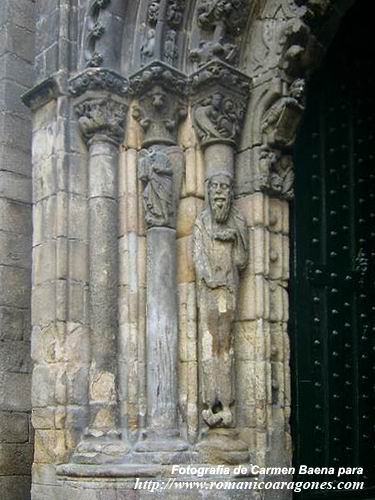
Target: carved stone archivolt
column 221, row 21
column 164, row 19
column 95, row 30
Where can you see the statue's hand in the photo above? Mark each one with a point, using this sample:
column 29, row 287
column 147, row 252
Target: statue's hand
column 214, row 283
column 226, row 235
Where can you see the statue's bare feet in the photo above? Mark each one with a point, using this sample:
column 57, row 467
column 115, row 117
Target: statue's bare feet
column 211, row 418
column 226, row 416
column 222, row 418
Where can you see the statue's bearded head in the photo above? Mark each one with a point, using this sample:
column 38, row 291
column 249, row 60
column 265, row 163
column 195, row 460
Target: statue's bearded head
column 220, row 196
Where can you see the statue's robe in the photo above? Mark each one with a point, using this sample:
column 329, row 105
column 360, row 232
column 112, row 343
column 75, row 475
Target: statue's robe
column 218, row 262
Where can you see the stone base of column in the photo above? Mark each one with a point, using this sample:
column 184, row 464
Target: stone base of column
column 137, row 482
column 153, row 442
column 223, row 446
column 97, row 450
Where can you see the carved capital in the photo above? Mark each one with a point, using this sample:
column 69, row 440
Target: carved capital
column 220, row 94
column 101, row 118
column 161, row 93
column 98, row 79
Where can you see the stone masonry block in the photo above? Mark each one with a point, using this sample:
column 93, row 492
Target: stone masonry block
column 187, row 322
column 14, row 159
column 185, row 265
column 15, row 459
column 44, row 385
column 14, row 427
column 14, row 286
column 245, row 340
column 15, row 356
column 15, row 490
column 15, row 249
column 15, row 391
column 15, row 217
column 188, row 210
column 15, row 323
column 50, row 446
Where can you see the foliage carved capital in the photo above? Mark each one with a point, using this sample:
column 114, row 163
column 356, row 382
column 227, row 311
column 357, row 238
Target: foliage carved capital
column 162, row 94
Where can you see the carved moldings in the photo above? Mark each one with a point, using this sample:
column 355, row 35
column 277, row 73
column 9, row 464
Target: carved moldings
column 220, row 94
column 102, row 119
column 161, row 93
column 156, row 173
column 220, row 253
column 98, row 79
column 223, row 21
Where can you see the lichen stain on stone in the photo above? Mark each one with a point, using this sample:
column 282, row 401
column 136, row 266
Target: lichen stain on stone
column 103, row 387
column 220, row 324
column 104, row 421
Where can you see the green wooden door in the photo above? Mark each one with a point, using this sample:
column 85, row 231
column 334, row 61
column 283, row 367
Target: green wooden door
column 333, row 263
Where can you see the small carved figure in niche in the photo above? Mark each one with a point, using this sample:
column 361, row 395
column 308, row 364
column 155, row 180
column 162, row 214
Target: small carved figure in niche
column 218, row 14
column 174, row 14
column 153, row 12
column 217, row 117
column 220, row 253
column 155, row 170
column 227, row 52
column 170, row 49
column 280, row 122
column 148, row 47
column 282, row 176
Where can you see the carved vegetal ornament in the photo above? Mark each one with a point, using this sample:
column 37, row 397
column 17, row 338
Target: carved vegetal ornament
column 95, row 31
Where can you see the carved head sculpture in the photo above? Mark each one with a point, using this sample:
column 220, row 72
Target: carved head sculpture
column 153, row 12
column 297, row 89
column 220, row 195
column 216, row 101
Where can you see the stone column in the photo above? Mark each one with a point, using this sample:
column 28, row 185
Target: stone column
column 219, row 94
column 101, row 109
column 160, row 91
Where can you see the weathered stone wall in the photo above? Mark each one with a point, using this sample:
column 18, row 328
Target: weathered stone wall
column 16, row 76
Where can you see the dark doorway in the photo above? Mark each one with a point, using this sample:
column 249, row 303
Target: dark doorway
column 333, row 263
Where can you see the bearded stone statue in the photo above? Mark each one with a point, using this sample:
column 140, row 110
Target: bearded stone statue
column 220, row 253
